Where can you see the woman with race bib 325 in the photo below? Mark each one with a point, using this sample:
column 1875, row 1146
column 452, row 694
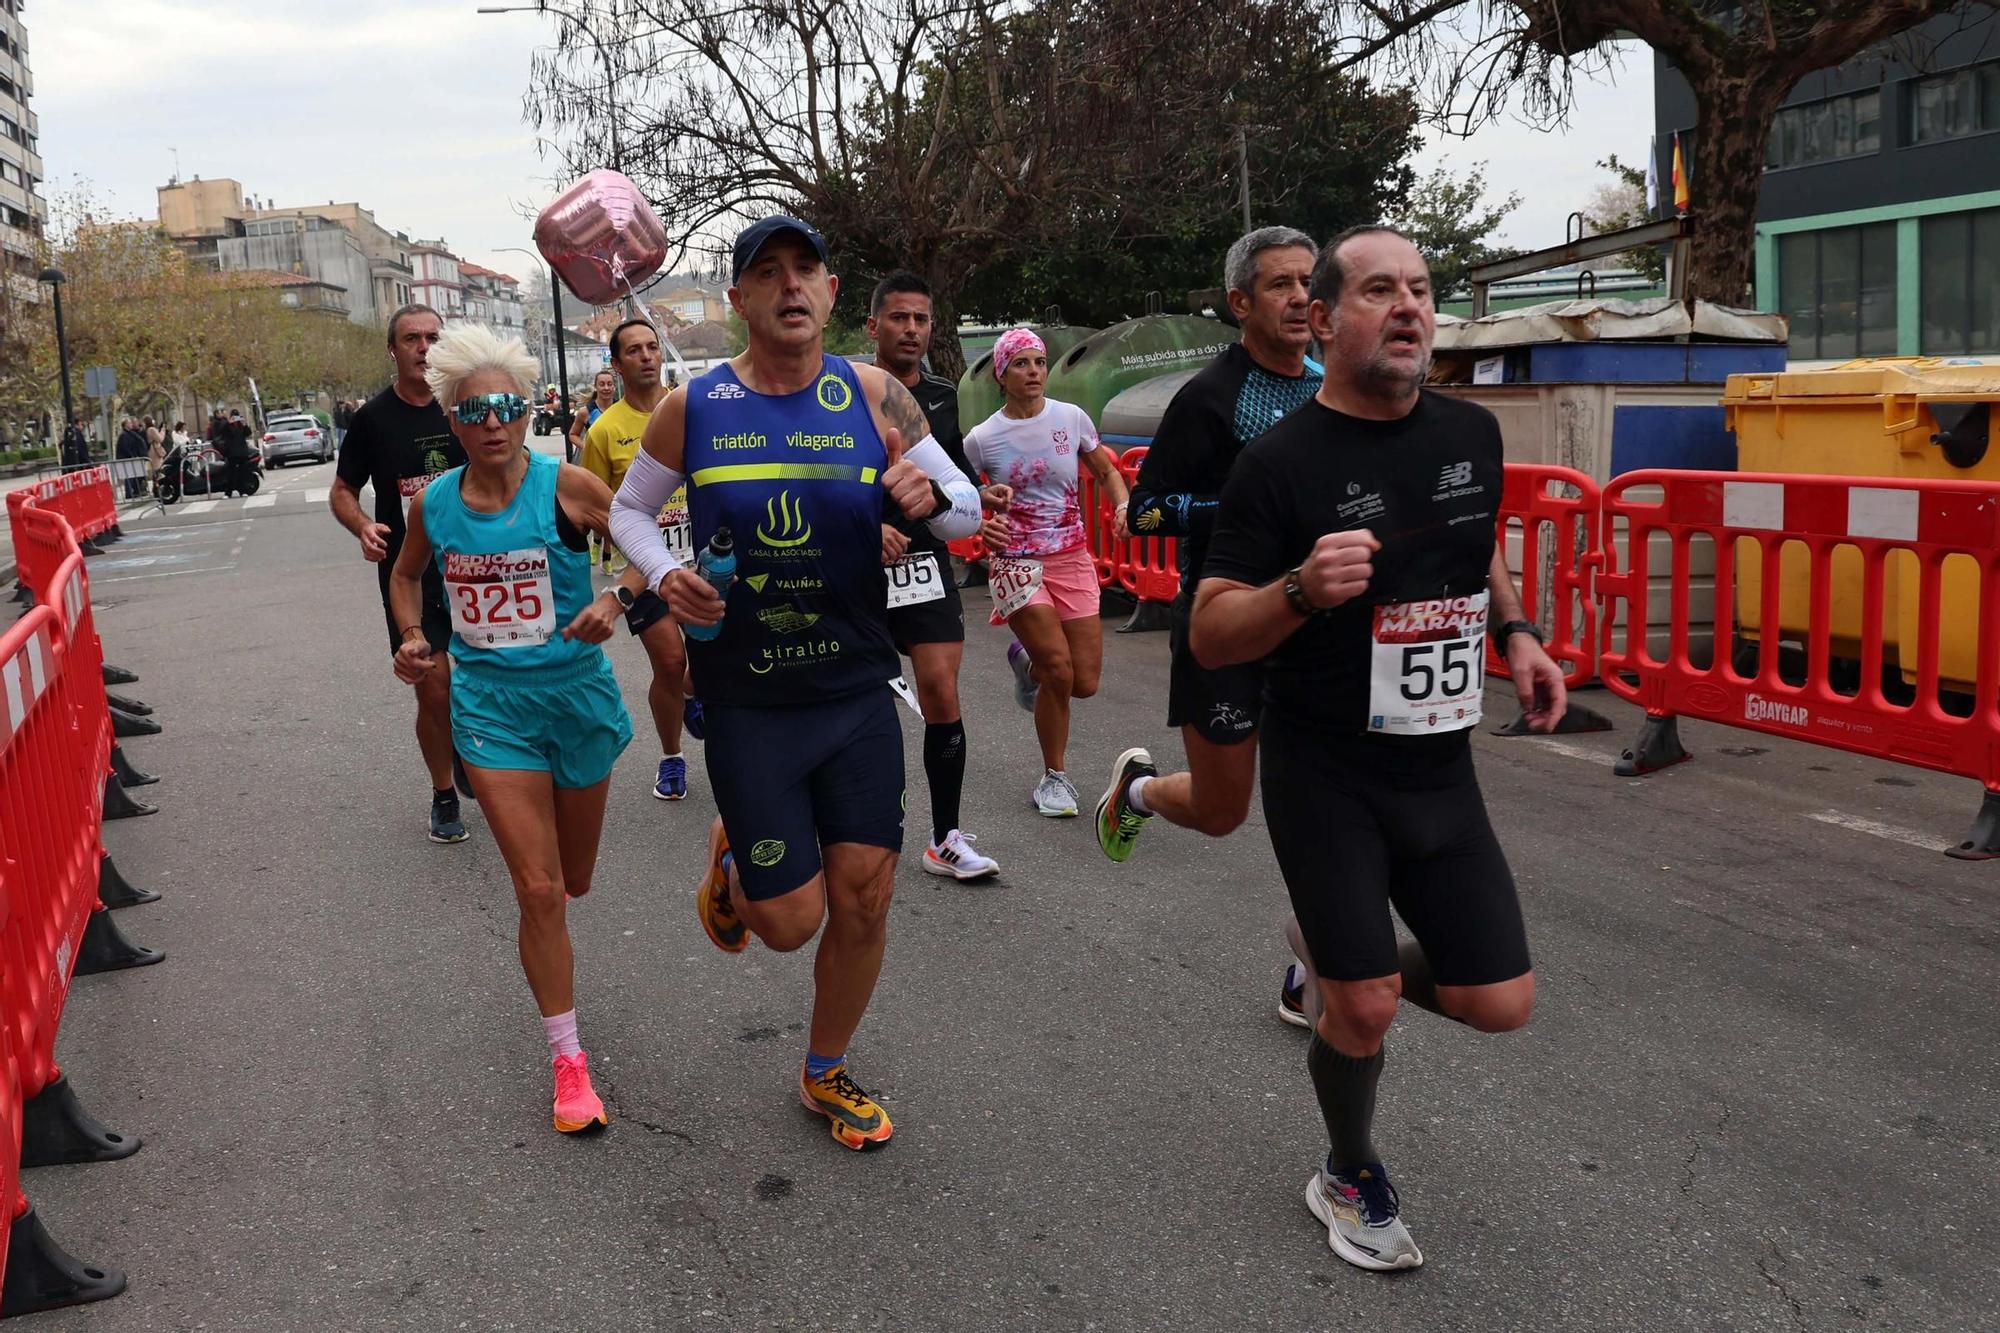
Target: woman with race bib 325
column 536, row 712
column 1042, row 578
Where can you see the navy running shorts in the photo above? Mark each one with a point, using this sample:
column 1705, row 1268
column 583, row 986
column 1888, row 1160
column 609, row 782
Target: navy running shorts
column 789, row 780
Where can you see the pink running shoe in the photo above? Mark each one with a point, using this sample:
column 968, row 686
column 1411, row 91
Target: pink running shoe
column 577, row 1106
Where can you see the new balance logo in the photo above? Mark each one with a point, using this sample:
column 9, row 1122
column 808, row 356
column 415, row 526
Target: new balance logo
column 1458, row 474
column 726, row 389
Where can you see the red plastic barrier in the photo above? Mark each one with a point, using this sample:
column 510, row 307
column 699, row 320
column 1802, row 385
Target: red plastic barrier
column 1562, row 547
column 1930, row 520
column 1148, row 567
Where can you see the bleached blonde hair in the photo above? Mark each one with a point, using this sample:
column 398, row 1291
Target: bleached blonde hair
column 464, row 350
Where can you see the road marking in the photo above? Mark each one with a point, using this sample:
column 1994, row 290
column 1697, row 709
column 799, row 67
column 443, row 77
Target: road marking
column 1569, row 751
column 260, row 502
column 165, row 574
column 1875, row 828
column 316, row 495
column 201, row 506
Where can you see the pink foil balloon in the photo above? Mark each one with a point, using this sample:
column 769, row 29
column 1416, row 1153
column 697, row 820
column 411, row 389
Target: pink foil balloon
column 602, row 237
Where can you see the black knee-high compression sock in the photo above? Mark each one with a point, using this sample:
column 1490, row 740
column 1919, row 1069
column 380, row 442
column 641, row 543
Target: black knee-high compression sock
column 944, row 769
column 1346, row 1088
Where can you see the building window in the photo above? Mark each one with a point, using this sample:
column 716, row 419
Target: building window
column 1960, row 292
column 1952, row 106
column 1837, row 288
column 1825, row 131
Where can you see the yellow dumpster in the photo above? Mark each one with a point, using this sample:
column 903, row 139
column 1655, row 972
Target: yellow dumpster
column 1900, row 417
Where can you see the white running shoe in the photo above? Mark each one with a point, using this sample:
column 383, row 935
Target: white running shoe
column 955, row 859
column 1363, row 1218
column 1054, row 797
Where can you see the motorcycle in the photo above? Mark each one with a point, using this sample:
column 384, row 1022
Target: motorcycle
column 198, row 468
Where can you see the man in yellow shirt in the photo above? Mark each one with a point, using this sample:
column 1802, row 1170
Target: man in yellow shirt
column 608, row 450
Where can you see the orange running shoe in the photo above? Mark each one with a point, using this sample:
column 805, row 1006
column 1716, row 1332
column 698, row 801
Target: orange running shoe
column 577, row 1106
column 858, row 1121
column 712, row 904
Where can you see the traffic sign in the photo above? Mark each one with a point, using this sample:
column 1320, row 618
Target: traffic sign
column 100, row 382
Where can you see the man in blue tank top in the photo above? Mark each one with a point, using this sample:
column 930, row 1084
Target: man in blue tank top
column 793, row 451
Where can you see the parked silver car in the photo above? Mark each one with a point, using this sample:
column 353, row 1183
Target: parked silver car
column 289, row 439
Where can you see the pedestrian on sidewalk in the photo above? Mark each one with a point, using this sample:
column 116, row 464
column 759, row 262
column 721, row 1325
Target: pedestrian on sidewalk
column 131, row 446
column 75, row 446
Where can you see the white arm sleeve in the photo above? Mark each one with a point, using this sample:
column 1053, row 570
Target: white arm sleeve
column 962, row 519
column 635, row 516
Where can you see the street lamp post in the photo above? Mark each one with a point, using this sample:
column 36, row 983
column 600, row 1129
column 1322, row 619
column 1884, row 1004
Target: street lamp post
column 555, row 309
column 603, row 56
column 54, row 278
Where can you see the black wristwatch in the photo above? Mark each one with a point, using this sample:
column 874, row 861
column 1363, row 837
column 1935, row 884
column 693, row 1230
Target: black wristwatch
column 1295, row 593
column 624, row 595
column 1508, row 629
column 943, row 503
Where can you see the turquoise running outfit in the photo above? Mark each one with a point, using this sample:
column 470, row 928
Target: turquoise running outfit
column 803, row 746
column 522, row 696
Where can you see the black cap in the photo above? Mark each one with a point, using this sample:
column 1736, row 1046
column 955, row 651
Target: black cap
column 754, row 236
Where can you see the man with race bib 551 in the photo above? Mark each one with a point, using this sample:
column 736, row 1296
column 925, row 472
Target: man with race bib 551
column 790, row 453
column 1354, row 550
column 398, row 440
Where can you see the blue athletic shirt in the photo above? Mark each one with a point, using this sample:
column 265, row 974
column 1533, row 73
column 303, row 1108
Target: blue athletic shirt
column 797, row 480
column 509, row 581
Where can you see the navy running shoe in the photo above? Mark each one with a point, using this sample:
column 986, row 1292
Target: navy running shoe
column 447, row 824
column 691, row 717
column 672, row 784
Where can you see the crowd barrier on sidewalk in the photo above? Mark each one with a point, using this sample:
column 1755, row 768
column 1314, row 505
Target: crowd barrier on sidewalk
column 1561, row 539
column 1893, row 525
column 58, row 777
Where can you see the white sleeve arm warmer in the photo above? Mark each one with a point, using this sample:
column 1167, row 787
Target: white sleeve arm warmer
column 635, row 516
column 962, row 519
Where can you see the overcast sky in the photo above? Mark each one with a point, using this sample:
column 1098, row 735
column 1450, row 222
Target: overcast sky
column 413, row 108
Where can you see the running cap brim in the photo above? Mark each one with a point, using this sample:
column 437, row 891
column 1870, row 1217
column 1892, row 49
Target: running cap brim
column 757, row 235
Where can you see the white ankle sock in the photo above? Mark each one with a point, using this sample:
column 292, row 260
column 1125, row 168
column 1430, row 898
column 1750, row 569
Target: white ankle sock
column 1136, row 794
column 561, row 1032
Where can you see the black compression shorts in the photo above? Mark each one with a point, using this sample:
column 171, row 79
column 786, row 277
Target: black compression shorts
column 941, row 620
column 790, row 780
column 436, row 622
column 1223, row 706
column 1358, row 828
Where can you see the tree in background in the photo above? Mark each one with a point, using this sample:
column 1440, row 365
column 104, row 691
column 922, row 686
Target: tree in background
column 1449, row 219
column 1066, row 151
column 1473, row 59
column 1620, row 203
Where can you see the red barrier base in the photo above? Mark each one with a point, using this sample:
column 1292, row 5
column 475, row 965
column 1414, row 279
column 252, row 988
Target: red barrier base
column 127, row 774
column 1148, row 617
column 132, row 706
column 118, row 805
column 115, row 891
column 1659, row 746
column 1576, row 720
column 1983, row 843
column 126, row 725
column 104, row 948
column 117, row 675
column 42, row 1275
column 57, row 1131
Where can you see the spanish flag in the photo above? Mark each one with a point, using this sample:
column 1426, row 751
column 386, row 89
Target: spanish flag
column 1680, row 178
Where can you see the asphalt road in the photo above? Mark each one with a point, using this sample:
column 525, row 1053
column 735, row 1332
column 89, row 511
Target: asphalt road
column 1758, row 1092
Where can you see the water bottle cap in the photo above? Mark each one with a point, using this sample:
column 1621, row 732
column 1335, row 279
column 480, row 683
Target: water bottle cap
column 721, row 541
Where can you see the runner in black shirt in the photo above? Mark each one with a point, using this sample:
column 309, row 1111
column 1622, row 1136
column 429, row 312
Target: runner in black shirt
column 1354, row 548
column 1244, row 392
column 926, row 619
column 398, row 440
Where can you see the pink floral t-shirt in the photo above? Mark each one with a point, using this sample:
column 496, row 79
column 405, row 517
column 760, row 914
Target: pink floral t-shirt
column 1037, row 456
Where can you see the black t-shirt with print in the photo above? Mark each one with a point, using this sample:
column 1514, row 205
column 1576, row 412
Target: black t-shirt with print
column 398, row 448
column 1428, row 487
column 938, row 397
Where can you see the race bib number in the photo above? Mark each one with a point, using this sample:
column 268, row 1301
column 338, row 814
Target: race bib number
column 1428, row 672
column 914, row 580
column 1011, row 581
column 410, row 488
column 500, row 601
column 675, row 527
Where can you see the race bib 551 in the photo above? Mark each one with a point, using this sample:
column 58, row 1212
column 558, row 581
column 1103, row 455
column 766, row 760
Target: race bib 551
column 1427, row 671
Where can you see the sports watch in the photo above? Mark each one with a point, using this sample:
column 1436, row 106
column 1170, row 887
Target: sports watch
column 1509, row 628
column 1295, row 593
column 624, row 595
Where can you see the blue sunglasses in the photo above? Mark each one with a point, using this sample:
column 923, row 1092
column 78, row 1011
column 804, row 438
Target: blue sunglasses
column 507, row 406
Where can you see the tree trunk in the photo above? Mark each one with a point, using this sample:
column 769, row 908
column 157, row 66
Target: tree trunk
column 947, row 356
column 1725, row 177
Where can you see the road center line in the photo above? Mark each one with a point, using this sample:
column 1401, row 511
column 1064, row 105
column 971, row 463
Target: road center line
column 166, row 574
column 1875, row 828
column 1569, row 751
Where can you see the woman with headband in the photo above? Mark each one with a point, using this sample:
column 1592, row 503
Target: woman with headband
column 1043, row 580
